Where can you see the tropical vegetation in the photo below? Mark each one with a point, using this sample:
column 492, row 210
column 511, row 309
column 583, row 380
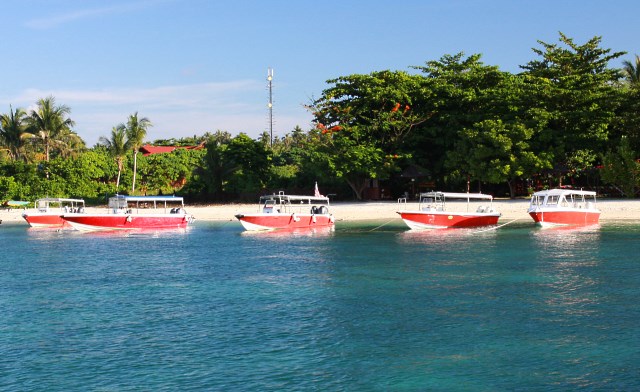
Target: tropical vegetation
column 454, row 123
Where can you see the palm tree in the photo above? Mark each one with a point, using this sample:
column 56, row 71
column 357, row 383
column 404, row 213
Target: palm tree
column 49, row 123
column 631, row 71
column 117, row 146
column 136, row 130
column 12, row 129
column 69, row 143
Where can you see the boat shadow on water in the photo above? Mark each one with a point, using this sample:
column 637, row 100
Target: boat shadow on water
column 561, row 237
column 50, row 233
column 318, row 232
column 450, row 235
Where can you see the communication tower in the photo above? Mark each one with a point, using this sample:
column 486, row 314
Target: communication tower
column 270, row 105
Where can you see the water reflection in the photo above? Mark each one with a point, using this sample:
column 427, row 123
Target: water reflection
column 445, row 236
column 317, row 232
column 52, row 233
column 46, row 233
column 569, row 255
column 567, row 239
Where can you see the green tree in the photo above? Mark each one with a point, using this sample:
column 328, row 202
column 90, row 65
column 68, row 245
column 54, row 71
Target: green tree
column 12, row 129
column 362, row 120
column 249, row 162
column 8, row 188
column 69, row 143
column 573, row 97
column 497, row 147
column 631, row 71
column 462, row 93
column 292, row 165
column 215, row 169
column 621, row 169
column 136, row 131
column 627, row 120
column 168, row 173
column 494, row 152
column 117, row 145
column 82, row 177
column 50, row 125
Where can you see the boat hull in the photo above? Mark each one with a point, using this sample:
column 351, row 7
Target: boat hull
column 270, row 221
column 84, row 222
column 45, row 220
column 442, row 219
column 559, row 217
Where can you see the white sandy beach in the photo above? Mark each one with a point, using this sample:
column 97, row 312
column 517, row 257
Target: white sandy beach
column 356, row 211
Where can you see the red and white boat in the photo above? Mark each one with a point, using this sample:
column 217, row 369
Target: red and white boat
column 134, row 213
column 288, row 212
column 555, row 207
column 48, row 212
column 432, row 211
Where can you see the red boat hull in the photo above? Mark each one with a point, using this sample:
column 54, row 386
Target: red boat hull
column 553, row 218
column 85, row 222
column 255, row 222
column 45, row 220
column 440, row 220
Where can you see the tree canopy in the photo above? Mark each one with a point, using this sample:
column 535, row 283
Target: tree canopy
column 568, row 117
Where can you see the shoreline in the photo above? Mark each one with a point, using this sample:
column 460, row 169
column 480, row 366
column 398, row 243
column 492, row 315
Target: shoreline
column 611, row 210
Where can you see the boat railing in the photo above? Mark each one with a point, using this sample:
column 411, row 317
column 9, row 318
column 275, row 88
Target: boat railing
column 120, row 204
column 290, row 204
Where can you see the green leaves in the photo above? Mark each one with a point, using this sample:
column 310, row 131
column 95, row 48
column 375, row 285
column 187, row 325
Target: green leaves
column 362, row 119
column 621, row 169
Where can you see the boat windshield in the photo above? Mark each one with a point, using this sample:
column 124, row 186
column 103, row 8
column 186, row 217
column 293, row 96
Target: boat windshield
column 565, row 199
column 435, row 201
column 288, row 204
column 65, row 205
column 125, row 204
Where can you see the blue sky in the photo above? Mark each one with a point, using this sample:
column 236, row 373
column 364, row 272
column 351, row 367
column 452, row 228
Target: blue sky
column 192, row 66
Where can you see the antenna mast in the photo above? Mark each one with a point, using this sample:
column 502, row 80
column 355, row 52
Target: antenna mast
column 270, row 105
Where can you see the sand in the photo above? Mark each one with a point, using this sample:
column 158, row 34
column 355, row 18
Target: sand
column 628, row 210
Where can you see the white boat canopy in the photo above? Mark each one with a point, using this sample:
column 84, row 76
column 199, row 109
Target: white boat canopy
column 558, row 192
column 136, row 199
column 122, row 201
column 454, row 195
column 59, row 200
column 294, row 199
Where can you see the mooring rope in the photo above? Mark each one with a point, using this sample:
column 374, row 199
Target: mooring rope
column 494, row 228
column 384, row 224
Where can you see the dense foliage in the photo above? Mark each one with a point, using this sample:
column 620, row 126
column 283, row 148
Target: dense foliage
column 453, row 124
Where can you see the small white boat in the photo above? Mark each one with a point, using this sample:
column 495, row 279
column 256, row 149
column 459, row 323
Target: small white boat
column 432, row 211
column 283, row 211
column 564, row 207
column 49, row 210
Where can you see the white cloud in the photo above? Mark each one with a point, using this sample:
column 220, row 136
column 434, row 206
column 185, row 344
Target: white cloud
column 71, row 16
column 177, row 96
column 175, row 111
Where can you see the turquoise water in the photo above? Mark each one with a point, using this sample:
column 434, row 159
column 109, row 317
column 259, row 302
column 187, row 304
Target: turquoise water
column 361, row 308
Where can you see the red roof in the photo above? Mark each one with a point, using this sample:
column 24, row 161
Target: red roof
column 148, row 149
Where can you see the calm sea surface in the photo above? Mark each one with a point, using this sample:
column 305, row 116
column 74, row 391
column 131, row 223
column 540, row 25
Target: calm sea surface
column 362, row 308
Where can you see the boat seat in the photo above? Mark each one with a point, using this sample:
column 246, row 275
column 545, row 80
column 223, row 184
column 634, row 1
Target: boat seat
column 480, row 209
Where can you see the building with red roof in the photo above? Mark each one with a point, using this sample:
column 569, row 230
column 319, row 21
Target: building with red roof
column 148, row 149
